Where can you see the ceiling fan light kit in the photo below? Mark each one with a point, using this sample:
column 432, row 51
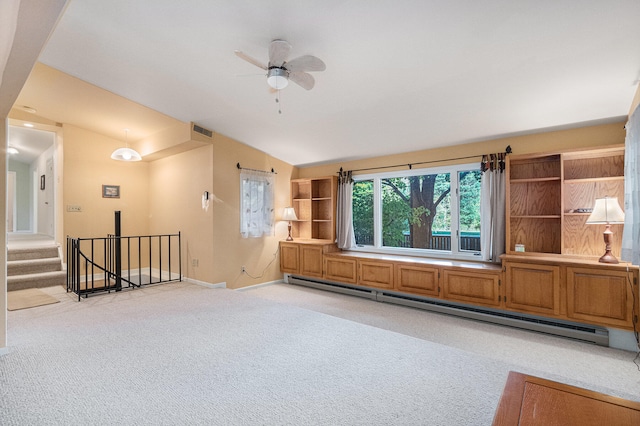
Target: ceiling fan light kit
column 278, row 78
column 280, row 71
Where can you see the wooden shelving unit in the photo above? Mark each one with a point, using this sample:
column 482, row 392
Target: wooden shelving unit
column 314, row 201
column 534, row 203
column 589, row 175
column 549, row 197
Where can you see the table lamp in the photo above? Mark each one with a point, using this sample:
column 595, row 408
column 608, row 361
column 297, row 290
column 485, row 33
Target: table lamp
column 289, row 214
column 607, row 211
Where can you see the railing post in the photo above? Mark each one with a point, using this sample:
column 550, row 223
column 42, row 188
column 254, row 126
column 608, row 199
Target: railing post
column 118, row 253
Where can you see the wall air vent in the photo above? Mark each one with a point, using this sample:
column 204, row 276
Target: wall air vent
column 208, row 133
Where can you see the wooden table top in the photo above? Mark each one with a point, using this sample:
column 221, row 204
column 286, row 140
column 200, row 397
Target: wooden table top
column 530, row 400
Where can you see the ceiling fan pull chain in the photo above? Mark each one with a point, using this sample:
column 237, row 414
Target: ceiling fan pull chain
column 278, row 102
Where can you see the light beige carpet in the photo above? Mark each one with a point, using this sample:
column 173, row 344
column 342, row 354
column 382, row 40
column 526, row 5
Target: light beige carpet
column 28, row 298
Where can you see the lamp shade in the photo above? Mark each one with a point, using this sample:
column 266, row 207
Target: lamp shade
column 606, row 210
column 289, row 214
column 126, row 154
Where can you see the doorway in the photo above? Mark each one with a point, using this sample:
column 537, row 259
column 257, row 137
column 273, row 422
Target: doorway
column 33, row 169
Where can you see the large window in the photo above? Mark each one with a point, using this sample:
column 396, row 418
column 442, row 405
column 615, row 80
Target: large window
column 420, row 211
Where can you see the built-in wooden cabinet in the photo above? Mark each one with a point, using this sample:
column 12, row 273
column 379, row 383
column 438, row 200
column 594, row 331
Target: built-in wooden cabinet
column 572, row 288
column 417, row 278
column 314, row 201
column 550, row 196
column 341, row 269
column 375, row 273
column 603, row 296
column 289, row 258
column 304, row 257
column 532, row 288
column 467, row 282
column 471, row 287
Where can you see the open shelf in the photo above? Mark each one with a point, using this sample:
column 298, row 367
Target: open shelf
column 550, row 196
column 314, row 201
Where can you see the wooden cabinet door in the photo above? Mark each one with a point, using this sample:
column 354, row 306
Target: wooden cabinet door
column 374, row 273
column 418, row 279
column 341, row 269
column 289, row 261
column 600, row 296
column 311, row 260
column 533, row 288
column 471, row 287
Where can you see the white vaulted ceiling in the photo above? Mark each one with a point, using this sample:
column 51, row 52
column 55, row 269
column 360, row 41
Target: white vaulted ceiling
column 401, row 75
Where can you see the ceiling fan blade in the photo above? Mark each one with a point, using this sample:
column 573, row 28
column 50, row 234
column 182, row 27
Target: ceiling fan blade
column 249, row 59
column 278, row 52
column 305, row 63
column 302, row 79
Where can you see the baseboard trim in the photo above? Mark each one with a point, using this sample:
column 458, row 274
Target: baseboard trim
column 206, row 284
column 577, row 331
column 250, row 287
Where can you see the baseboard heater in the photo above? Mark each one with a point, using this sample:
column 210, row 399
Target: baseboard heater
column 578, row 331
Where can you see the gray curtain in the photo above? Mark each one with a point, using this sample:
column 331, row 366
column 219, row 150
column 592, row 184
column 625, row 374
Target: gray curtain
column 492, row 207
column 345, row 237
column 631, row 233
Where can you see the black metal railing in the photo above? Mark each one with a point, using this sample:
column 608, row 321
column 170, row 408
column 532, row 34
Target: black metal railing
column 114, row 263
column 437, row 242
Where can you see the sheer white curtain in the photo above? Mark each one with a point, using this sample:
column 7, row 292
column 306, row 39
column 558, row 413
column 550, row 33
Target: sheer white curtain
column 256, row 203
column 345, row 236
column 492, row 207
column 631, row 233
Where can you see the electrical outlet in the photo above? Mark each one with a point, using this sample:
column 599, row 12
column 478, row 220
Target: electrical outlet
column 74, row 208
column 195, row 262
column 243, row 270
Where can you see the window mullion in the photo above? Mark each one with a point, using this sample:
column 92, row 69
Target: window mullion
column 455, row 212
column 377, row 212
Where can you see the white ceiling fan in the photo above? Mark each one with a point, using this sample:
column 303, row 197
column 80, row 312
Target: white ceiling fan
column 280, row 71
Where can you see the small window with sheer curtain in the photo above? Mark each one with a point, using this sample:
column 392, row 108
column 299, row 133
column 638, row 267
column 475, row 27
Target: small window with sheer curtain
column 256, row 203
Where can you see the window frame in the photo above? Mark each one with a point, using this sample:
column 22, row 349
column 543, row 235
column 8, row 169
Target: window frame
column 454, row 174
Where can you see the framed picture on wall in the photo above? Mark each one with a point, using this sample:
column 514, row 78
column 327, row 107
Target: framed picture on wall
column 110, row 191
column 42, row 182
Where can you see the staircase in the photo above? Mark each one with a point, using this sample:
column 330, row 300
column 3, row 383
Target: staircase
column 34, row 267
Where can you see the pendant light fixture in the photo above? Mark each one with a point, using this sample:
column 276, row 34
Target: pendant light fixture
column 126, row 153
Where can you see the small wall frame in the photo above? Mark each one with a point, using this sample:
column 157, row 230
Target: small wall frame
column 110, row 191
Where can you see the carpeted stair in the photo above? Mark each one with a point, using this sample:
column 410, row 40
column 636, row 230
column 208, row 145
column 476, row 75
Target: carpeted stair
column 34, row 268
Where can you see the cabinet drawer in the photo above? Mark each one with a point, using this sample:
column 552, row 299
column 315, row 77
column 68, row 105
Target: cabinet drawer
column 533, row 288
column 375, row 274
column 471, row 287
column 341, row 269
column 416, row 278
column 599, row 296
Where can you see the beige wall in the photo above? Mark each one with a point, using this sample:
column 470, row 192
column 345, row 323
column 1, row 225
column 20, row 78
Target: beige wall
column 87, row 166
column 164, row 196
column 176, row 185
column 549, row 141
column 211, row 238
column 230, row 251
